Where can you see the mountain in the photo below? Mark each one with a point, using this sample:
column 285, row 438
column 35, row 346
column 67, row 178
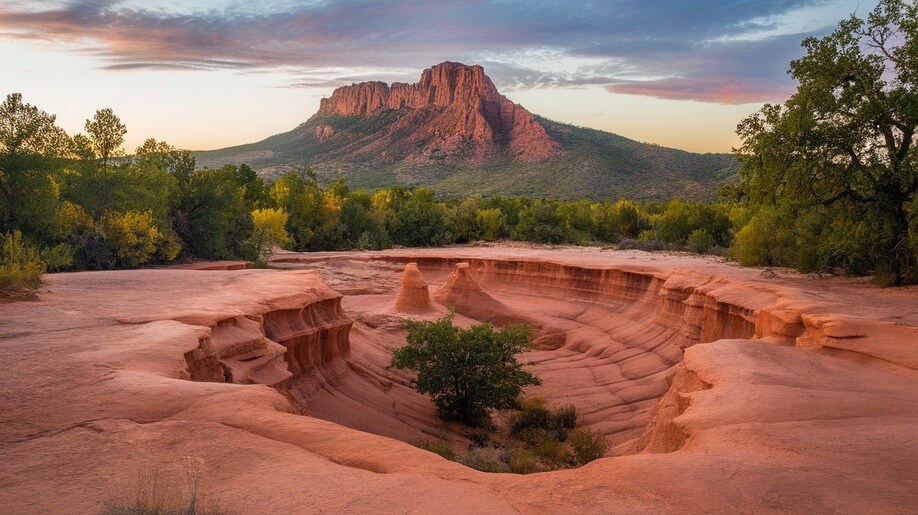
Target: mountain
column 454, row 132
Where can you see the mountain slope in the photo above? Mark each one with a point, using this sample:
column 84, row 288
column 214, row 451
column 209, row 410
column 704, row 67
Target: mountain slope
column 454, row 132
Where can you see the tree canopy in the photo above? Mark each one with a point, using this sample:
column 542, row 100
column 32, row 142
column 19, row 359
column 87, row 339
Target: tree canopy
column 467, row 372
column 838, row 157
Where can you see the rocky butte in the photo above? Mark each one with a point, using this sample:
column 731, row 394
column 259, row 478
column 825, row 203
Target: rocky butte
column 454, row 110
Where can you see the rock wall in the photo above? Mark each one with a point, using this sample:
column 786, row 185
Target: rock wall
column 463, row 113
column 275, row 347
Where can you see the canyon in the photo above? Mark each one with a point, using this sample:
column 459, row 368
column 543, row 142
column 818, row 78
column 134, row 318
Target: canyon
column 716, row 387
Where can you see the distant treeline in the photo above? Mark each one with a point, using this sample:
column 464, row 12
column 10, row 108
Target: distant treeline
column 77, row 203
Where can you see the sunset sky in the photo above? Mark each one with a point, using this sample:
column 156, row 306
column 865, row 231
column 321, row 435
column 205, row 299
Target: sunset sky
column 212, row 73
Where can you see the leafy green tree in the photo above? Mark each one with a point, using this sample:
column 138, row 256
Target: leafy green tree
column 211, row 216
column 360, row 228
column 490, row 222
column 464, row 221
column 846, row 137
column 106, row 133
column 30, row 147
column 299, row 195
column 467, row 372
column 420, row 221
column 542, row 222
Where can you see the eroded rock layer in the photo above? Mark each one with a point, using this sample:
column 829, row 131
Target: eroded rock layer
column 769, row 392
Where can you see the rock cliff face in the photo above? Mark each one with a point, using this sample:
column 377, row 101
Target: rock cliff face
column 453, row 112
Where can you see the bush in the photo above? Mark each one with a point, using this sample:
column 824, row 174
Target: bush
column 523, row 461
column 58, row 257
column 133, row 236
column 20, row 264
column 437, row 447
column 700, row 241
column 563, row 420
column 587, row 445
column 467, row 372
column 533, row 413
column 486, row 459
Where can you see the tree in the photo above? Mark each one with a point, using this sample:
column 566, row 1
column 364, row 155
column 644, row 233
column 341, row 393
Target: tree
column 420, row 221
column 846, row 138
column 30, row 144
column 132, row 236
column 269, row 230
column 106, row 132
column 467, row 372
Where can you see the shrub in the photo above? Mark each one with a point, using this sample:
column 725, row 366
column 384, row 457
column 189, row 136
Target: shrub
column 533, row 413
column 486, row 459
column 563, row 420
column 523, row 461
column 467, row 372
column 58, row 257
column 587, row 445
column 437, row 447
column 20, row 264
column 700, row 241
column 133, row 236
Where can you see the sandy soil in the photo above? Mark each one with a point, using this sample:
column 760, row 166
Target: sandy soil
column 717, row 388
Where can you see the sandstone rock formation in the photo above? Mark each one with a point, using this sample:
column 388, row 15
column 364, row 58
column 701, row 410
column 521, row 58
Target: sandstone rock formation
column 717, row 389
column 454, row 111
column 413, row 296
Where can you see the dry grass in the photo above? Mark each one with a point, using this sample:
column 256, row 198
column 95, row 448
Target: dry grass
column 166, row 491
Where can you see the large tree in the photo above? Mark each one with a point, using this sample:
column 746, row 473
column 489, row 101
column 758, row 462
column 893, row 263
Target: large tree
column 467, row 372
column 30, row 145
column 846, row 139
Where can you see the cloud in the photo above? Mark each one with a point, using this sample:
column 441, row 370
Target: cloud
column 723, row 51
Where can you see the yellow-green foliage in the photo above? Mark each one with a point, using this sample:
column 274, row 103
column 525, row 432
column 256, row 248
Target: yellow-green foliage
column 270, row 229
column 586, row 445
column 20, row 264
column 132, row 235
column 489, row 223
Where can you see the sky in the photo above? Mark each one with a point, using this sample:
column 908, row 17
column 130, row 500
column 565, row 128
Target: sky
column 208, row 74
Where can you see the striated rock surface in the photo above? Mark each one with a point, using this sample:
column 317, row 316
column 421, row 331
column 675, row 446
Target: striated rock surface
column 413, row 296
column 453, row 112
column 718, row 390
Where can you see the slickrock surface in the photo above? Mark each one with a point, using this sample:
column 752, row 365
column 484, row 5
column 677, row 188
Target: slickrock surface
column 454, row 110
column 718, row 389
column 413, row 296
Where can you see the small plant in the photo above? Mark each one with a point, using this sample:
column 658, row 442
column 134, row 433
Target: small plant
column 20, row 264
column 486, row 459
column 586, row 445
column 437, row 447
column 523, row 461
column 160, row 492
column 533, row 413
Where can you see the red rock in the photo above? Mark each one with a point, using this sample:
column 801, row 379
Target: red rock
column 453, row 111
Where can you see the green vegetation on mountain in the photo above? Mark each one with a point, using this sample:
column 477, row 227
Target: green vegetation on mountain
column 594, row 164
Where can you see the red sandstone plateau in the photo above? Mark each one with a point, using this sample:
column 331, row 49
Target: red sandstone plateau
column 717, row 388
column 454, row 110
